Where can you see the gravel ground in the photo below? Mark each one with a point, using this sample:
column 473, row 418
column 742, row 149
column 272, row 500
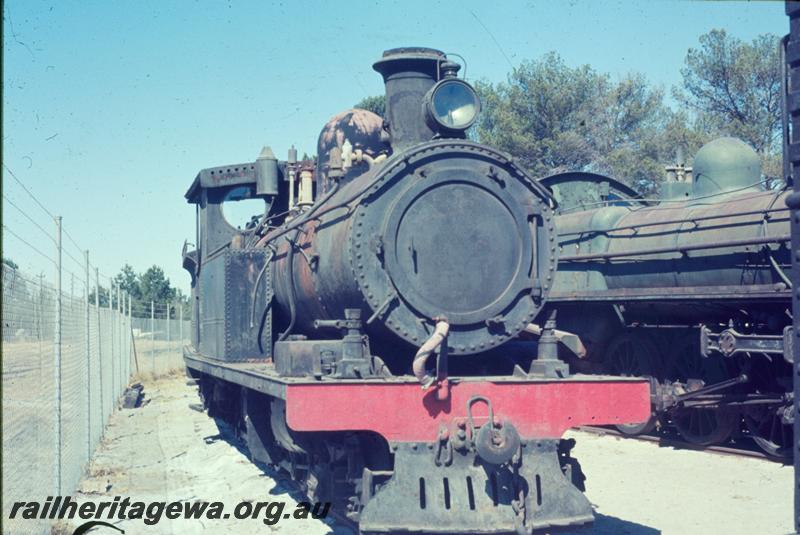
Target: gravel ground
column 166, row 452
column 639, row 488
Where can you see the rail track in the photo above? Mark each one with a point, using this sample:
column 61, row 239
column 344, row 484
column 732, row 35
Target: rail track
column 670, row 439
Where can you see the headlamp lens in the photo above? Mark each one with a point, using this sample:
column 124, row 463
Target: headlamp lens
column 455, row 105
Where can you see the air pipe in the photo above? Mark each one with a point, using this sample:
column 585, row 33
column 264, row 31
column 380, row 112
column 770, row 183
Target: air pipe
column 426, row 350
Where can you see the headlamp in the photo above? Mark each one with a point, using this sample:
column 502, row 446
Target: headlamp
column 452, row 105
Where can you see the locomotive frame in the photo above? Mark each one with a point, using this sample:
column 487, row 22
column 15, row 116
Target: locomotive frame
column 791, row 165
column 690, row 291
column 369, row 357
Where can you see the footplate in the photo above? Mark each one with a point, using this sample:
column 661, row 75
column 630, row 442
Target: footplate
column 466, row 494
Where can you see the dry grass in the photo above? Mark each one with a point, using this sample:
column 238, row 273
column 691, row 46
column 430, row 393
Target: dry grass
column 62, row 528
column 149, row 377
column 103, row 472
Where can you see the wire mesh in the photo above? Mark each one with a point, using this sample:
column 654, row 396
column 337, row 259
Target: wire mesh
column 74, row 420
column 96, row 367
column 158, row 344
column 95, row 389
column 28, row 415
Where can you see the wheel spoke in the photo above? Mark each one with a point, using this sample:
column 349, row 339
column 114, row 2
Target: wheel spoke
column 704, row 426
column 775, row 420
column 626, row 356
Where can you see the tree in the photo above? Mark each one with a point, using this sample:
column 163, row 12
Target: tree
column 376, row 104
column 627, row 129
column 17, row 296
column 552, row 118
column 102, row 297
column 734, row 87
column 128, row 281
column 154, row 286
column 542, row 114
column 184, row 303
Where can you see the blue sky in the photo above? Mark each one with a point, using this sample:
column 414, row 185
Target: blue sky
column 111, row 108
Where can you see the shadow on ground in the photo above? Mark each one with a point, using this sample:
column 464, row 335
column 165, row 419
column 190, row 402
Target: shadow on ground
column 603, row 525
column 283, row 483
column 607, row 525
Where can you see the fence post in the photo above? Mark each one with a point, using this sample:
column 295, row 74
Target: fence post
column 88, row 360
column 99, row 341
column 180, row 325
column 111, row 338
column 131, row 349
column 126, row 334
column 169, row 313
column 57, row 364
column 118, row 325
column 124, row 340
column 153, row 334
column 40, row 312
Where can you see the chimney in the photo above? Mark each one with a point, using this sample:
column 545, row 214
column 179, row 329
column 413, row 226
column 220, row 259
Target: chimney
column 408, row 74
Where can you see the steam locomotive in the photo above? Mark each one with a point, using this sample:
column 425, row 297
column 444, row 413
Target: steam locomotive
column 692, row 289
column 360, row 331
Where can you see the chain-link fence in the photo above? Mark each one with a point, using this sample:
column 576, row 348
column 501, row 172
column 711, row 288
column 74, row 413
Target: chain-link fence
column 66, row 363
column 158, row 342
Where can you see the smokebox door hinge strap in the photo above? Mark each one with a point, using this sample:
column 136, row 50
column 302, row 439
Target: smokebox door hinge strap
column 382, row 308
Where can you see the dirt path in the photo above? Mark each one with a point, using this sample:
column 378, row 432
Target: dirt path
column 640, row 488
column 165, row 451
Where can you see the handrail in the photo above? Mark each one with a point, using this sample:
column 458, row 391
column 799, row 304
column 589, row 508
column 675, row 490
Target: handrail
column 676, row 249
